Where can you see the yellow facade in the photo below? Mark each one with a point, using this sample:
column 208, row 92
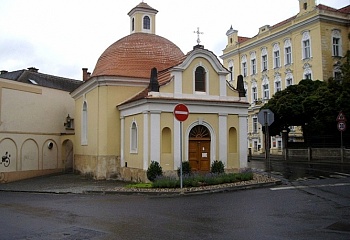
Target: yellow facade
column 315, row 25
column 34, row 138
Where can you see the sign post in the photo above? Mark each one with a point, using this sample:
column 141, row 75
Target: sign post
column 181, row 114
column 266, row 118
column 341, row 125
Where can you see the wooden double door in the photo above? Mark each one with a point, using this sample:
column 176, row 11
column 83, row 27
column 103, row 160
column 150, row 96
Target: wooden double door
column 199, row 155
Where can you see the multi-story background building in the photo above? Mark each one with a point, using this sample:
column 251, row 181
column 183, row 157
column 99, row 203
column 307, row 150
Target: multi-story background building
column 308, row 45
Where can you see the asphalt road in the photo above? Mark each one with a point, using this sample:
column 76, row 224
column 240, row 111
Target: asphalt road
column 310, row 209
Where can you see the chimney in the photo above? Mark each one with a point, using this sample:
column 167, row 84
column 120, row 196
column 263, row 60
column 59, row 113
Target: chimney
column 3, row 71
column 86, row 74
column 33, row 69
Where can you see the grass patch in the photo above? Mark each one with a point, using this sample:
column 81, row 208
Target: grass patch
column 139, row 185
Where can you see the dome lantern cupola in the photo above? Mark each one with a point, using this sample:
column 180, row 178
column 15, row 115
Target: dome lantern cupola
column 143, row 19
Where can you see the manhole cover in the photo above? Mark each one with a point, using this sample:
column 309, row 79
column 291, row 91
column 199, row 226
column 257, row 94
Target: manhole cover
column 340, row 226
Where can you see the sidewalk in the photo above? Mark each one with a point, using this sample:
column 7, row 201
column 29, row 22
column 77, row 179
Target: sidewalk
column 77, row 184
column 61, row 183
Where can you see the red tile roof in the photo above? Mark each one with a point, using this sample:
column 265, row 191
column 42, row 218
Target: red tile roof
column 136, row 54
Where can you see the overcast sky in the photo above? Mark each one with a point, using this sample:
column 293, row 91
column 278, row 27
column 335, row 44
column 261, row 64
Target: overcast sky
column 60, row 37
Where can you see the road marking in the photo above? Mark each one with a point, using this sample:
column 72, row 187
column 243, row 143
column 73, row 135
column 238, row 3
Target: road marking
column 311, row 186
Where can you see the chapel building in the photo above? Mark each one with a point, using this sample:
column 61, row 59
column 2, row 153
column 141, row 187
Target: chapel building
column 124, row 110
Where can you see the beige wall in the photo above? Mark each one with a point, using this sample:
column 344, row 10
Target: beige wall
column 31, row 119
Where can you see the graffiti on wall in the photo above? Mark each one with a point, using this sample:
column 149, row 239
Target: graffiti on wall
column 6, row 159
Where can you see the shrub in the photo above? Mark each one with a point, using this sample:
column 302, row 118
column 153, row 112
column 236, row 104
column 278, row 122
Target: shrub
column 186, row 169
column 217, row 167
column 154, row 170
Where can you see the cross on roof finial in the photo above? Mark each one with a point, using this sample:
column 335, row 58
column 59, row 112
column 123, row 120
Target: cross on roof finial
column 198, row 33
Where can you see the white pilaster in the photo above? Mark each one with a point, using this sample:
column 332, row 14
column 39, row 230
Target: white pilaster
column 177, row 84
column 176, row 140
column 155, row 136
column 223, row 86
column 122, row 141
column 145, row 140
column 243, row 145
column 223, row 138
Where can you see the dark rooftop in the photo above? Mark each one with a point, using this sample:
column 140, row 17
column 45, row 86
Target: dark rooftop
column 32, row 76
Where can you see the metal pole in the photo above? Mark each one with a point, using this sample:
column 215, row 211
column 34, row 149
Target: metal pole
column 267, row 145
column 341, row 147
column 181, row 155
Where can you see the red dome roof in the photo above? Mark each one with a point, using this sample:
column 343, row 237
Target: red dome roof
column 136, row 54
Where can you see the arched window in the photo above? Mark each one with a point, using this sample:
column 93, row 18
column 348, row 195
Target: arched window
column 230, row 68
column 133, row 24
column 133, row 138
column 84, row 124
column 146, row 23
column 166, row 140
column 200, row 79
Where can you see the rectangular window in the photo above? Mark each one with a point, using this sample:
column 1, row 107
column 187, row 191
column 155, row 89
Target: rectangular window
column 308, row 76
column 288, row 52
column 253, row 63
column 264, row 62
column 244, row 67
column 277, row 59
column 306, row 49
column 278, row 86
column 231, row 73
column 336, row 46
column 255, row 94
column 289, row 82
column 255, row 125
column 266, row 91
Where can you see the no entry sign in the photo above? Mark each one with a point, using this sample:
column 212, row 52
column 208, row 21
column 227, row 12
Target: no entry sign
column 181, row 112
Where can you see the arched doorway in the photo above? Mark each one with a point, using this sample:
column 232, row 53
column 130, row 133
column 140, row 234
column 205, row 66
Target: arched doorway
column 199, row 148
column 67, row 154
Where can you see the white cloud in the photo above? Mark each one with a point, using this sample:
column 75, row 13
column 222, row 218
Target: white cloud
column 62, row 36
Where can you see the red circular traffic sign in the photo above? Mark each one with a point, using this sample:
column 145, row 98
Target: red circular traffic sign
column 181, row 112
column 341, row 126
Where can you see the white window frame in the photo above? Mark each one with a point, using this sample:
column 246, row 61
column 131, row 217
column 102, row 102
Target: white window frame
column 337, row 50
column 278, row 84
column 231, row 69
column 265, row 89
column 143, row 24
column 288, row 54
column 264, row 59
column 84, row 124
column 289, row 77
column 206, row 80
column 307, row 72
column 133, row 137
column 255, row 124
column 276, row 56
column 253, row 69
column 254, row 92
column 306, row 45
column 244, row 66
